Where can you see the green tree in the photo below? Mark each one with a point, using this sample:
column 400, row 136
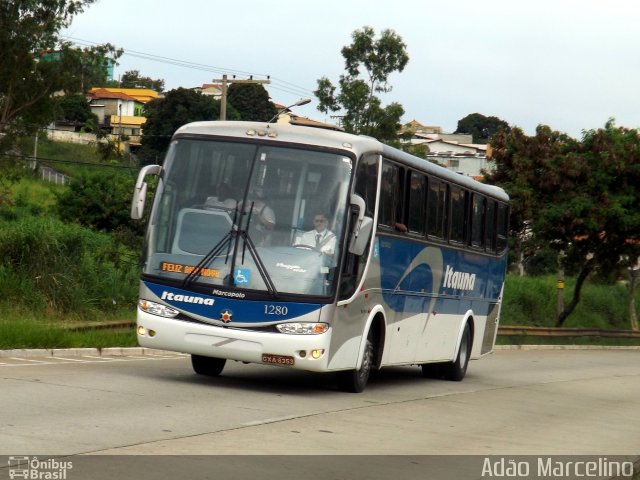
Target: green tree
column 369, row 62
column 35, row 62
column 252, row 102
column 102, row 202
column 419, row 150
column 579, row 197
column 166, row 115
column 75, row 108
column 481, row 127
column 133, row 79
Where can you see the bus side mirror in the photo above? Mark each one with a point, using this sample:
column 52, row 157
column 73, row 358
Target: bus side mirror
column 360, row 239
column 140, row 190
column 362, row 228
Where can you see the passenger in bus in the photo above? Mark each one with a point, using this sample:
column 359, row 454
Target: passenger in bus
column 320, row 238
column 263, row 219
column 222, row 200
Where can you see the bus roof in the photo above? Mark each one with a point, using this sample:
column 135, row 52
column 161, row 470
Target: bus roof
column 356, row 144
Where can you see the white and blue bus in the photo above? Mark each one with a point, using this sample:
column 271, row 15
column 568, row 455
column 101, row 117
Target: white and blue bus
column 412, row 272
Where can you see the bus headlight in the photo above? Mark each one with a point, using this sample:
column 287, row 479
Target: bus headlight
column 157, row 309
column 303, row 328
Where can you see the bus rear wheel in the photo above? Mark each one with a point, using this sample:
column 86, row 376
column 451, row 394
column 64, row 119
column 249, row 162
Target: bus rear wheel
column 355, row 381
column 454, row 371
column 208, row 366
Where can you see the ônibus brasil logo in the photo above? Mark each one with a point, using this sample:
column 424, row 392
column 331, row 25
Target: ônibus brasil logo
column 32, row 468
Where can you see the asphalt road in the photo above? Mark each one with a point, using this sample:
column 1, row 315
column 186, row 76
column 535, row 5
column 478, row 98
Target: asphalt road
column 543, row 402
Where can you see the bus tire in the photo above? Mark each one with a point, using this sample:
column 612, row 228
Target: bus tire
column 354, row 381
column 454, row 371
column 208, row 366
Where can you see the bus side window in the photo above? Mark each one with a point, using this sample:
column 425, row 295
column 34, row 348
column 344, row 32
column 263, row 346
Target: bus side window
column 390, row 211
column 457, row 199
column 502, row 227
column 417, row 205
column 365, row 185
column 436, row 208
column 491, row 227
column 478, row 221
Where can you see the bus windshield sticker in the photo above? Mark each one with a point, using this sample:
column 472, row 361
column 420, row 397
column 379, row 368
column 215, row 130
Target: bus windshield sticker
column 189, row 269
column 242, row 276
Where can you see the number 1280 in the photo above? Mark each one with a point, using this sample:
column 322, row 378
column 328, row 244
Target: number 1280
column 275, row 310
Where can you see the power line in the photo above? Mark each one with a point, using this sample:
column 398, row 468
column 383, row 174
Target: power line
column 280, row 84
column 225, row 83
column 28, row 158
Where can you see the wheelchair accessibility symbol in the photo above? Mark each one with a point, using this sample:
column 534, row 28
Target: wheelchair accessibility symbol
column 242, row 276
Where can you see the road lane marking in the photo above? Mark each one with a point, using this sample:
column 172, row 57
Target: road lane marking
column 87, row 359
column 27, row 360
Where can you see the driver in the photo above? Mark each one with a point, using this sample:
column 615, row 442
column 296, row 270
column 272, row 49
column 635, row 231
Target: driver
column 320, row 238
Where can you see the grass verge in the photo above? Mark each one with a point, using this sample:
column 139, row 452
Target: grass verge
column 30, row 332
column 586, row 341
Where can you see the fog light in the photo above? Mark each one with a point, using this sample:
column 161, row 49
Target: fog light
column 142, row 331
column 152, row 333
column 302, row 353
column 317, row 353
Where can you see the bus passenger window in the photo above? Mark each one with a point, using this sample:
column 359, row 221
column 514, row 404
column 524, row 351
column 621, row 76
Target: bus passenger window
column 477, row 221
column 390, row 198
column 457, row 199
column 491, row 227
column 503, row 223
column 436, row 206
column 366, row 182
column 417, row 208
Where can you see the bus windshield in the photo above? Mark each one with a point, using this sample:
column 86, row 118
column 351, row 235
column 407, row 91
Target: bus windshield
column 249, row 216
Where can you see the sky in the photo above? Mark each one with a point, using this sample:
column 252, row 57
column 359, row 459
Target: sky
column 568, row 64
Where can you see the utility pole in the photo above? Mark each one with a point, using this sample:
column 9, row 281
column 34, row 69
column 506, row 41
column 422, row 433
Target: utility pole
column 560, row 285
column 225, row 85
column 35, row 153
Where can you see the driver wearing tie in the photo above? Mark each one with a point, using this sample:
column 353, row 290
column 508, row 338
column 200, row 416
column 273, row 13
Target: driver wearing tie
column 320, row 238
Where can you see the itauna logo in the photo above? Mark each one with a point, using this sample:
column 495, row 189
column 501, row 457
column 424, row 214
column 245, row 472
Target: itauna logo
column 186, row 298
column 459, row 280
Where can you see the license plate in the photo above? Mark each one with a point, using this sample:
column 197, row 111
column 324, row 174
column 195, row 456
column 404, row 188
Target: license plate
column 277, row 359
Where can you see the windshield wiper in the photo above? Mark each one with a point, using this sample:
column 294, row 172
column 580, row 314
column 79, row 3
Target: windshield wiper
column 230, row 238
column 226, row 241
column 214, row 252
column 248, row 242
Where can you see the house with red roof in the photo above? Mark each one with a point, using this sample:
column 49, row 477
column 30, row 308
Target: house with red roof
column 457, row 152
column 120, row 109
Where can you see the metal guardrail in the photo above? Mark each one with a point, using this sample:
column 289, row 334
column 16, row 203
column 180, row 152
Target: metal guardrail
column 87, row 326
column 50, row 175
column 512, row 330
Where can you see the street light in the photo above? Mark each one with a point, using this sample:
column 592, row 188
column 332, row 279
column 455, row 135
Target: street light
column 299, row 103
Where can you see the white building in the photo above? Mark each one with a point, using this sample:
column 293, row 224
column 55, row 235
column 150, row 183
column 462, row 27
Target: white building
column 457, row 152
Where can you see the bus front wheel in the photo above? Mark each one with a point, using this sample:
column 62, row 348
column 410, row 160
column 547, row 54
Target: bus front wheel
column 209, row 366
column 355, row 380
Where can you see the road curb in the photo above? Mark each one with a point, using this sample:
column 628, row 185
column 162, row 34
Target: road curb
column 140, row 351
column 567, row 347
column 77, row 352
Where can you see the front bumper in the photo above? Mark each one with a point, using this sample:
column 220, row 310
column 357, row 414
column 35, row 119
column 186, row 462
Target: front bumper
column 232, row 343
